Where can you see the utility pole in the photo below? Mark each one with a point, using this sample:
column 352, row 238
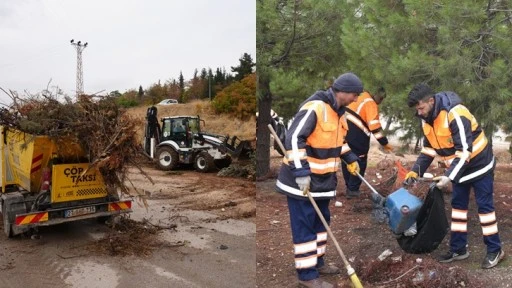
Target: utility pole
column 79, row 70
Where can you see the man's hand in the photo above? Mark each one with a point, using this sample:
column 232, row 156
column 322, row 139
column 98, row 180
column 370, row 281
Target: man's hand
column 442, row 181
column 388, row 148
column 303, row 182
column 410, row 178
column 353, row 168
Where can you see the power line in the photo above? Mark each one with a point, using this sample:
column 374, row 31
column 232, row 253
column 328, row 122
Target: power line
column 79, row 70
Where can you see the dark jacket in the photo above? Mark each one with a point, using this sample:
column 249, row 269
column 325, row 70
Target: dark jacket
column 453, row 133
column 314, row 146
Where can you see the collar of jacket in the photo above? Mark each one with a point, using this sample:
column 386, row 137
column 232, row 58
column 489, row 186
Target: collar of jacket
column 331, row 100
column 445, row 100
column 326, row 96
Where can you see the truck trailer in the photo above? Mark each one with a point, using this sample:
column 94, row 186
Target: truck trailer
column 49, row 180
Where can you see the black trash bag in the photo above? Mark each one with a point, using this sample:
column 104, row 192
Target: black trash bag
column 432, row 225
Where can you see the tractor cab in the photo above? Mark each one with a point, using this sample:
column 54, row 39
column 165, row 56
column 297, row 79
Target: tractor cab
column 180, row 129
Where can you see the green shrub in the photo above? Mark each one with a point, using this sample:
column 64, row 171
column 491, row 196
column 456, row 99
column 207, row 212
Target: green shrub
column 237, row 99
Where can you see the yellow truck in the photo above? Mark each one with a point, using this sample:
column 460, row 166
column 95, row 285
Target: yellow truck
column 47, row 181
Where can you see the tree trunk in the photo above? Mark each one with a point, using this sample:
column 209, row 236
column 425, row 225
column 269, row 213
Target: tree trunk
column 262, row 132
column 388, row 124
column 489, row 131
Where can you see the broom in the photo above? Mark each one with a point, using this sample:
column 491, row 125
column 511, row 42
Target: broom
column 350, row 271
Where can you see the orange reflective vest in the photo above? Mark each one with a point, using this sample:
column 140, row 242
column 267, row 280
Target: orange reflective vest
column 455, row 135
column 363, row 121
column 314, row 143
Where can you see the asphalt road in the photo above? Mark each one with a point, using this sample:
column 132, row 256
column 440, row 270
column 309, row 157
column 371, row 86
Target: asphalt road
column 206, row 249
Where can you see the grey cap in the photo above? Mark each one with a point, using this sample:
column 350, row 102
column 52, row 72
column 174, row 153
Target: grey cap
column 348, row 82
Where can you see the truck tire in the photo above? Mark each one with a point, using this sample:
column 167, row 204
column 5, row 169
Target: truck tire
column 6, row 221
column 167, row 158
column 13, row 203
column 204, row 162
column 223, row 163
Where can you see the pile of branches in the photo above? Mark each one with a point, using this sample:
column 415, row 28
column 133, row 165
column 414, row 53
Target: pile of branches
column 105, row 133
column 410, row 271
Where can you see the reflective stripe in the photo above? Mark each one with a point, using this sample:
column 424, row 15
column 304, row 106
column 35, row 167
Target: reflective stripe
column 298, row 192
column 325, row 112
column 429, row 151
column 373, row 122
column 320, row 250
column 323, row 161
column 358, row 123
column 487, row 218
column 478, row 173
column 291, row 155
column 362, row 104
column 378, row 135
column 479, row 144
column 306, row 262
column 464, row 143
column 459, row 214
column 446, row 122
column 459, row 226
column 303, row 248
column 321, row 237
column 489, row 230
column 322, row 168
column 295, row 141
column 345, row 149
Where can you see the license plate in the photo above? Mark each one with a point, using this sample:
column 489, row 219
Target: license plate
column 79, row 211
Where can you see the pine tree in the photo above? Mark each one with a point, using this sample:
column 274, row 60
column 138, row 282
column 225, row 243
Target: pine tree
column 141, row 92
column 298, row 48
column 462, row 46
column 204, row 74
column 182, row 88
column 244, row 68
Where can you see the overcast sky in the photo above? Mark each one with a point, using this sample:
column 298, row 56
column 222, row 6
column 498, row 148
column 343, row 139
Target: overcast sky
column 130, row 42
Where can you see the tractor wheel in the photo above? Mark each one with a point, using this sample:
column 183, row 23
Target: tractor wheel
column 167, row 158
column 223, row 163
column 204, row 162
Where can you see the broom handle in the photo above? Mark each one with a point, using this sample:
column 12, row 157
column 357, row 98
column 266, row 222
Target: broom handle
column 329, row 231
column 364, row 180
column 350, row 271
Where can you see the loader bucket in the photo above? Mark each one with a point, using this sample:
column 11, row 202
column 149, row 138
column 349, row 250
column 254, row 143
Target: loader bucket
column 240, row 149
column 243, row 150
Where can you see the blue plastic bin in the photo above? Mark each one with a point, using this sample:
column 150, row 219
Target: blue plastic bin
column 403, row 208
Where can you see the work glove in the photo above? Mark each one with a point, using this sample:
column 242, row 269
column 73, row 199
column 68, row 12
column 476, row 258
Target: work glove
column 388, row 148
column 442, row 181
column 353, row 168
column 410, row 178
column 303, row 182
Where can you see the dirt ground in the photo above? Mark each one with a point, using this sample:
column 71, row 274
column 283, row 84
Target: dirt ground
column 363, row 239
column 198, row 230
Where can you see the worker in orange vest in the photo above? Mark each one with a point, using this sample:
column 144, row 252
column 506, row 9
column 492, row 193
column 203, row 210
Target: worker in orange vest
column 453, row 133
column 314, row 145
column 363, row 121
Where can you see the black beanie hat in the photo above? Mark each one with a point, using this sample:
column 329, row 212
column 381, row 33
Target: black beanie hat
column 349, row 83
